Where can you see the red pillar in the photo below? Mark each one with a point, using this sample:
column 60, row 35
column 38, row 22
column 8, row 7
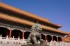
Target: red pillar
column 63, row 39
column 45, row 37
column 57, row 39
column 22, row 35
column 10, row 33
column 52, row 38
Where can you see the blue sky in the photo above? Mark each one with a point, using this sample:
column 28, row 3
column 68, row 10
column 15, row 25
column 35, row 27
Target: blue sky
column 57, row 11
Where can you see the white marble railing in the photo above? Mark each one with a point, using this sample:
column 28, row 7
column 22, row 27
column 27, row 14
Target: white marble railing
column 5, row 41
column 54, row 43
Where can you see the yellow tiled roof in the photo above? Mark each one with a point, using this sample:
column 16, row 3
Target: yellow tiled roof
column 27, row 14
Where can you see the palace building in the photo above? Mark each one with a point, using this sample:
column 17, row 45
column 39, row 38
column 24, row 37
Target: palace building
column 17, row 23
